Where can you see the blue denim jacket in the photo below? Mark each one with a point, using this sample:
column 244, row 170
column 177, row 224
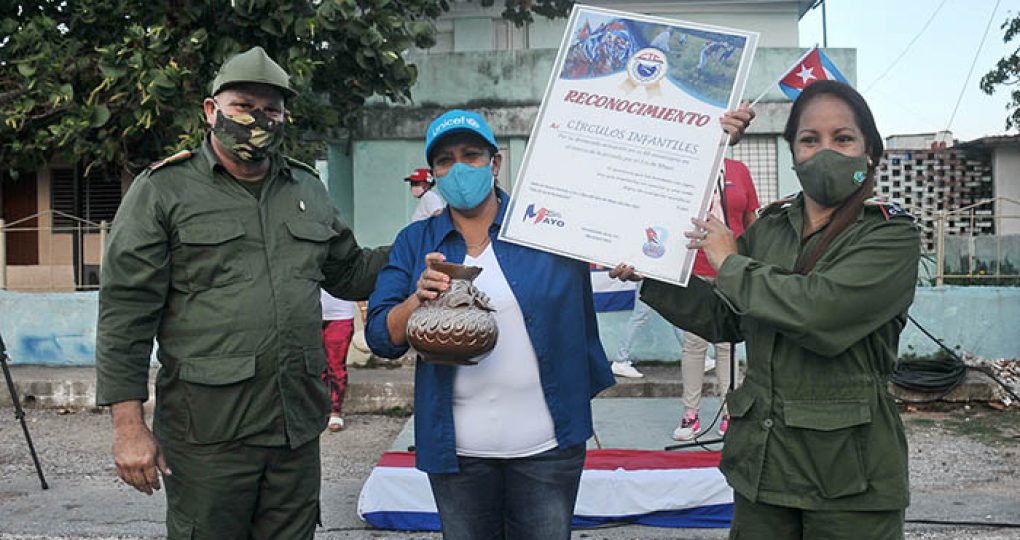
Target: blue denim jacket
column 556, row 298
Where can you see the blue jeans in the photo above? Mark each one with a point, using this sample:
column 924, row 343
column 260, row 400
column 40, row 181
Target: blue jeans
column 529, row 498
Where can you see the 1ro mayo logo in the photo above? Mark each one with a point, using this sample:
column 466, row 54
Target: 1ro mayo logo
column 543, row 216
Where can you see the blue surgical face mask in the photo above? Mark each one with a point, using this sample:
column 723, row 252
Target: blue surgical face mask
column 465, row 187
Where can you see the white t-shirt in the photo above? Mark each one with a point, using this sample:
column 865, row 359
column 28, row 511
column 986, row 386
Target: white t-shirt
column 335, row 309
column 429, row 203
column 499, row 410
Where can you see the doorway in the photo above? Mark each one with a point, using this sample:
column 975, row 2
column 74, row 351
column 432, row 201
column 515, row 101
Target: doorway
column 20, row 200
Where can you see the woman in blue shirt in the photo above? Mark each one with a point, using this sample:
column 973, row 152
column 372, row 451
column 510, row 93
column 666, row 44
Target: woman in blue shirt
column 503, row 442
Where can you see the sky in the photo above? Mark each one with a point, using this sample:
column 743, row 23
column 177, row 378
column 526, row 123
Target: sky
column 920, row 91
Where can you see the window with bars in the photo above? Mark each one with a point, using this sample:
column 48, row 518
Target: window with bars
column 758, row 152
column 91, row 199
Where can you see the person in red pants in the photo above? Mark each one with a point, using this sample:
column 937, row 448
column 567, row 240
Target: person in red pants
column 337, row 329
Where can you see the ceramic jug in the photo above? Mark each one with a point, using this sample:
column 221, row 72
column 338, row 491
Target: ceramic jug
column 458, row 326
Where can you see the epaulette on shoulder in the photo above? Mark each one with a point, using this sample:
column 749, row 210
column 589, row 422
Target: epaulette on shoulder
column 777, row 206
column 302, row 165
column 888, row 208
column 183, row 155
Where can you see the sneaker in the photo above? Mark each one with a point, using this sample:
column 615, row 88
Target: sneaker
column 625, row 369
column 724, row 425
column 687, row 428
column 336, row 423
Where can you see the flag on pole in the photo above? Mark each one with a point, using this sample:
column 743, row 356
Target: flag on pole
column 813, row 66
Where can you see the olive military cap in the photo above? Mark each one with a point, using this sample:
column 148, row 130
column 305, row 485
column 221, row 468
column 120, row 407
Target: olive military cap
column 252, row 66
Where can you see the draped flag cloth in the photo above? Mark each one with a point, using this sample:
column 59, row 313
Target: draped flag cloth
column 611, row 294
column 646, row 487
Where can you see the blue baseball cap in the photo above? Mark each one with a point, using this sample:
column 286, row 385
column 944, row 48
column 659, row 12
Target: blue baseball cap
column 457, row 121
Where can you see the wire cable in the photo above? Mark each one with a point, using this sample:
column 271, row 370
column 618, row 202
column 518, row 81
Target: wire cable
column 696, row 439
column 941, row 375
column 990, row 524
column 895, row 99
column 973, row 63
column 720, row 185
column 907, row 48
column 929, row 376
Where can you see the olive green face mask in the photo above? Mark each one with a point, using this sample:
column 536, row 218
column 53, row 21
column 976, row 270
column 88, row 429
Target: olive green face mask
column 829, row 177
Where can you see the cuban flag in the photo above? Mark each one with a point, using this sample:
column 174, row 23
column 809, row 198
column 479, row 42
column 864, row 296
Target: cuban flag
column 813, row 66
column 653, row 488
column 611, row 294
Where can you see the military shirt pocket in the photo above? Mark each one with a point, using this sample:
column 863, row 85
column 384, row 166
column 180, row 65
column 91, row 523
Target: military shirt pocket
column 829, row 432
column 211, row 255
column 310, row 247
column 742, row 451
column 219, row 394
column 315, row 361
column 739, row 402
column 314, row 389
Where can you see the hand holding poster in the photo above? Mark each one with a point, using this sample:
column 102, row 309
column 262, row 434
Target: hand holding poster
column 627, row 143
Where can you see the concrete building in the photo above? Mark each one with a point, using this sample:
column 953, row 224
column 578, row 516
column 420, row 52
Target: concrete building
column 1003, row 154
column 937, row 139
column 922, row 174
column 51, row 228
column 927, row 173
column 482, row 62
column 973, row 187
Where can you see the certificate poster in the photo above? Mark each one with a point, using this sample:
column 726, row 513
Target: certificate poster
column 627, row 143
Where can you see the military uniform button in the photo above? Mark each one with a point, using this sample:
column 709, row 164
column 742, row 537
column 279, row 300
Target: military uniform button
column 767, row 423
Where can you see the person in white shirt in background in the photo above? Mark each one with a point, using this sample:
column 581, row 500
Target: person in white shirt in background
column 623, row 366
column 429, row 202
column 337, row 330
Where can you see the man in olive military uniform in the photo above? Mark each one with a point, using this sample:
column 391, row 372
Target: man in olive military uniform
column 219, row 254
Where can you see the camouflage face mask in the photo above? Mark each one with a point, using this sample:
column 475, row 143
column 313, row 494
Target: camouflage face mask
column 248, row 137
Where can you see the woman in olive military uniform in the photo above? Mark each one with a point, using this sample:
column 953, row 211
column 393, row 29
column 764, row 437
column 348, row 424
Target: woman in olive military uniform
column 819, row 288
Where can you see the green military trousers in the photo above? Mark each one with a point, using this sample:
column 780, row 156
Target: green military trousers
column 759, row 521
column 237, row 491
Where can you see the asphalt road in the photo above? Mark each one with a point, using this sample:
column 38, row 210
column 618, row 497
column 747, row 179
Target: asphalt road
column 953, row 478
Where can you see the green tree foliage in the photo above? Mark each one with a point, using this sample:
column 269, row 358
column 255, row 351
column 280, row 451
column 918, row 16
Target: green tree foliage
column 519, row 11
column 1007, row 73
column 116, row 84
